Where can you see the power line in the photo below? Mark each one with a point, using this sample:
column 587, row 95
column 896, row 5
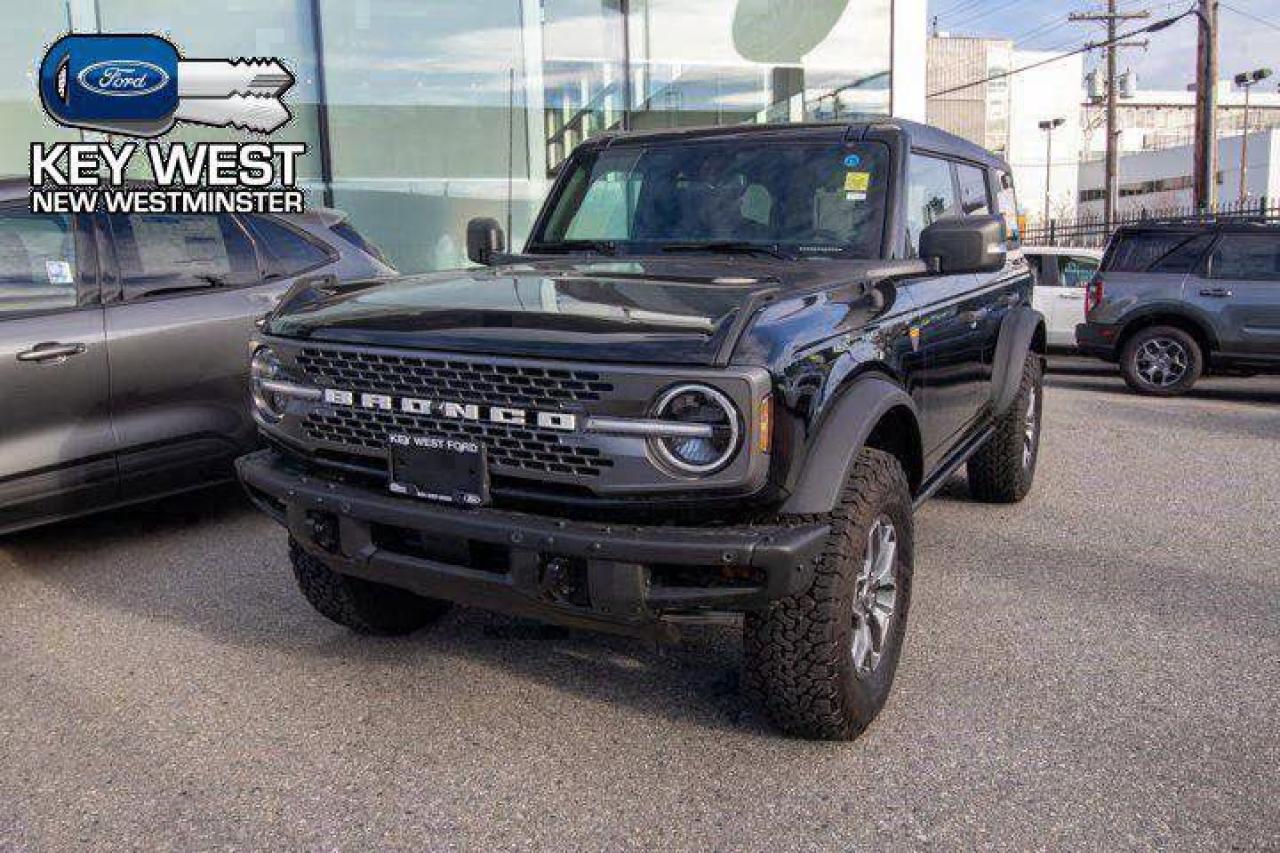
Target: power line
column 1256, row 18
column 1150, row 28
column 968, row 20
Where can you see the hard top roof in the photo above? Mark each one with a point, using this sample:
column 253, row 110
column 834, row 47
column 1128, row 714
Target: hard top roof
column 918, row 136
column 1194, row 225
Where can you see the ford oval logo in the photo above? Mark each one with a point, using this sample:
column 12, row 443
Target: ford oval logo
column 119, row 79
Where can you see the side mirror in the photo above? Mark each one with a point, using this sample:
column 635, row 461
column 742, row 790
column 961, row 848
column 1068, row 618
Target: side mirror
column 969, row 244
column 484, row 240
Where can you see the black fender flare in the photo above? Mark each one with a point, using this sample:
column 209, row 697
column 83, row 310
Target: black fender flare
column 842, row 432
column 1018, row 332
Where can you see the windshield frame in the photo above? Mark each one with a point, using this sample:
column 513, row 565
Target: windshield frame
column 585, row 155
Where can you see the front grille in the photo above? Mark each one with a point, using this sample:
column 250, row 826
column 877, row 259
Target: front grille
column 516, row 448
column 454, row 379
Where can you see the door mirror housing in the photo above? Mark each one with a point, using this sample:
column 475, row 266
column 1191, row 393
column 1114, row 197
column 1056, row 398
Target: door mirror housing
column 968, row 244
column 485, row 240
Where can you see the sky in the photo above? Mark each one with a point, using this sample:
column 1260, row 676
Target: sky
column 1249, row 33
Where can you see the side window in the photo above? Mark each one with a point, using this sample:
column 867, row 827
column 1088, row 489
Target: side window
column 1007, row 201
column 931, row 195
column 37, row 262
column 1076, row 272
column 163, row 254
column 288, row 251
column 1246, row 257
column 1185, row 258
column 974, row 198
column 1036, row 262
column 1144, row 251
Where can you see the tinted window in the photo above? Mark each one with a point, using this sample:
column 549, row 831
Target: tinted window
column 974, row 200
column 1007, row 200
column 820, row 199
column 290, row 252
column 171, row 253
column 931, row 196
column 37, row 263
column 1036, row 262
column 1140, row 252
column 1076, row 272
column 1185, row 258
column 351, row 235
column 1247, row 257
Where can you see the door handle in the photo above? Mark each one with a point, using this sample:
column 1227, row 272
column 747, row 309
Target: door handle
column 1216, row 292
column 973, row 318
column 1075, row 296
column 51, row 352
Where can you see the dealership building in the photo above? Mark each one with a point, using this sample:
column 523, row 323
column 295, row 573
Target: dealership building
column 420, row 114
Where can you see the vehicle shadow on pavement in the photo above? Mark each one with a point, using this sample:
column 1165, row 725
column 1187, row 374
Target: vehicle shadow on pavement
column 209, row 562
column 1241, row 393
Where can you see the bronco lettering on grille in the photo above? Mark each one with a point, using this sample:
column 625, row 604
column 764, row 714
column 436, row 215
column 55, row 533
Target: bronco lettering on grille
column 505, row 415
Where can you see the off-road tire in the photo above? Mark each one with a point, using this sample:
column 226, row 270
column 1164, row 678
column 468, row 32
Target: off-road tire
column 1139, row 384
column 363, row 606
column 999, row 472
column 799, row 658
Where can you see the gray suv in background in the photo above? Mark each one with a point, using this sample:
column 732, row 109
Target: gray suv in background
column 124, row 346
column 1173, row 301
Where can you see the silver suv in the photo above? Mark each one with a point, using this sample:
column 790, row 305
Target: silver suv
column 1173, row 301
column 124, row 346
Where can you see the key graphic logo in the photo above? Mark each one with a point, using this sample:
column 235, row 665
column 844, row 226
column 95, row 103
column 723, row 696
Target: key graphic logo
column 139, row 85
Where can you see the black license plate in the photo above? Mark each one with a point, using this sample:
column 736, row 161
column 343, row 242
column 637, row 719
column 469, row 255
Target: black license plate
column 436, row 468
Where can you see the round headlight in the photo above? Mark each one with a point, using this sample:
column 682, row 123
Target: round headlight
column 704, row 451
column 266, row 366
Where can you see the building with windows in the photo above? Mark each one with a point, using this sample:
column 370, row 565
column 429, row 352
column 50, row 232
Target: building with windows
column 1153, row 120
column 978, row 113
column 419, row 116
column 1004, row 115
column 1155, row 181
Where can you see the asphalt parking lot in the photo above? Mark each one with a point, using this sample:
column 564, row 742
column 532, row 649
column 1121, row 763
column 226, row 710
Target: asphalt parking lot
column 1098, row 667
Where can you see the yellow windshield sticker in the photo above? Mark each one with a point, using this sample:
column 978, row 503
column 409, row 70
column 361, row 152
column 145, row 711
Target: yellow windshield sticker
column 857, row 182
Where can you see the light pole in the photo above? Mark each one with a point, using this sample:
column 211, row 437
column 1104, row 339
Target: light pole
column 1049, row 127
column 1247, row 81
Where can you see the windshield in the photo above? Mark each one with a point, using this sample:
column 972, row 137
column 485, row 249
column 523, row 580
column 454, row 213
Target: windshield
column 802, row 199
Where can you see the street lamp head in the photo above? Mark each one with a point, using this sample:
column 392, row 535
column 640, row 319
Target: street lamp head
column 1052, row 124
column 1248, row 78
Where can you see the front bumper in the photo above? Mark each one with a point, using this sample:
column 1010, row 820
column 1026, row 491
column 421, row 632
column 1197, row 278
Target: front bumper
column 1097, row 339
column 622, row 578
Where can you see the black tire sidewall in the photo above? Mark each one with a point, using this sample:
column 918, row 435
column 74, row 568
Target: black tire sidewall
column 1129, row 361
column 867, row 694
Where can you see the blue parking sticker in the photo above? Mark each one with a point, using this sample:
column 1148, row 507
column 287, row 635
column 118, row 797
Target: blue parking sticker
column 853, row 161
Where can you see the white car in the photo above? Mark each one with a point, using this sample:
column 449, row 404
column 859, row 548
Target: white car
column 1062, row 273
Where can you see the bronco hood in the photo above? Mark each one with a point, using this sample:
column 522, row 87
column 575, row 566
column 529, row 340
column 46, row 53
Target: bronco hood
column 681, row 311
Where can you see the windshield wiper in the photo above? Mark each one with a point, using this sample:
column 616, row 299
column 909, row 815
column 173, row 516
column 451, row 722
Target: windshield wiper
column 604, row 247
column 732, row 247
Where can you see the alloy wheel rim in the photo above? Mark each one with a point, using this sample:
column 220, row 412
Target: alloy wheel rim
column 1029, row 434
column 875, row 597
column 1162, row 362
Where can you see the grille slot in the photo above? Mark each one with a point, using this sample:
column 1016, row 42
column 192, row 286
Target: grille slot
column 514, row 447
column 451, row 379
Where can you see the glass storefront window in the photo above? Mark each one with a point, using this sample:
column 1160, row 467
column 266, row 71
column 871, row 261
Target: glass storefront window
column 442, row 110
column 28, row 29
column 233, row 28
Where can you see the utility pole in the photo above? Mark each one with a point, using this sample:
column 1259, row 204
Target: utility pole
column 1112, row 18
column 1206, row 159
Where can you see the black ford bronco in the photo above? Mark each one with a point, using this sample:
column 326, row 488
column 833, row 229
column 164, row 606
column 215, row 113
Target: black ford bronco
column 724, row 371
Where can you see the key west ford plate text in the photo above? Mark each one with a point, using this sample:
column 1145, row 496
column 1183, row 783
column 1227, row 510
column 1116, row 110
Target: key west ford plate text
column 140, row 86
